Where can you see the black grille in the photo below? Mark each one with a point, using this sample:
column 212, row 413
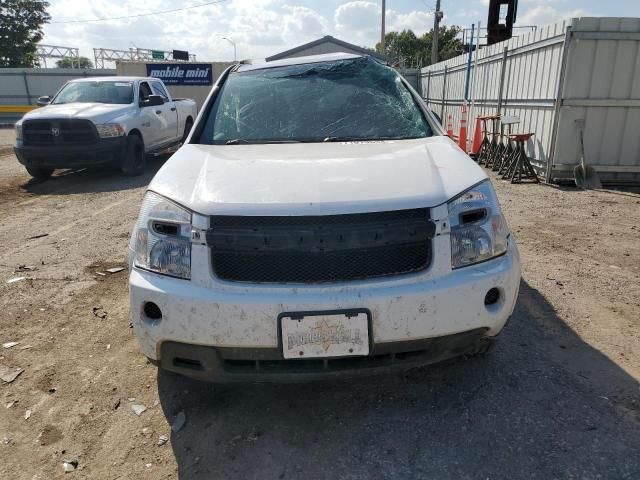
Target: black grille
column 54, row 132
column 320, row 249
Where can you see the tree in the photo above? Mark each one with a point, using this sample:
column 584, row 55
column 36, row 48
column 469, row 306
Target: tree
column 80, row 62
column 21, row 24
column 405, row 48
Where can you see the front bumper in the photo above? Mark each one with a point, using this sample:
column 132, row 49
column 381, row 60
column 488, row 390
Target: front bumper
column 224, row 317
column 109, row 151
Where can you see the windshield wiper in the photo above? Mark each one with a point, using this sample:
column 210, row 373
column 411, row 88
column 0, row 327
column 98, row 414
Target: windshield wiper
column 360, row 139
column 238, row 141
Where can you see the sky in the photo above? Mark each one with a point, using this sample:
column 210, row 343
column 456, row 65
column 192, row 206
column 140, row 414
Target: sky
column 264, row 27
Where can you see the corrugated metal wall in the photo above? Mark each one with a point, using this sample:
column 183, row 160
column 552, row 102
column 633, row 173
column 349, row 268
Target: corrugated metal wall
column 23, row 86
column 531, row 76
column 601, row 83
column 602, row 86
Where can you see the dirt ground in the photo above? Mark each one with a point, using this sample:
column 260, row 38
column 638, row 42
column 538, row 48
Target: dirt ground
column 559, row 397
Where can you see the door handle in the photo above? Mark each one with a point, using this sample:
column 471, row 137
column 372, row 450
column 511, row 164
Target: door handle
column 173, row 109
column 159, row 112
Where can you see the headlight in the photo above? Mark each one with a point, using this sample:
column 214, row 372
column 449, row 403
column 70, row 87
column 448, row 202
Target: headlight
column 18, row 131
column 161, row 240
column 110, row 130
column 478, row 229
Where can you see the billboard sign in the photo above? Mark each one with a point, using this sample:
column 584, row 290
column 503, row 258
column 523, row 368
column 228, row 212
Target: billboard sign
column 181, row 55
column 181, row 73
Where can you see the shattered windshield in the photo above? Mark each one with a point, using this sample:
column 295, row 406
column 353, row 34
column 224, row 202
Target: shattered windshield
column 96, row 92
column 355, row 99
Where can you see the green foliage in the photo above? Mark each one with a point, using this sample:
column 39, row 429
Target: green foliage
column 80, row 62
column 21, row 24
column 405, row 47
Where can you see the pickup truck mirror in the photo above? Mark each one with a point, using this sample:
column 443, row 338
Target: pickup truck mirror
column 44, row 100
column 152, row 101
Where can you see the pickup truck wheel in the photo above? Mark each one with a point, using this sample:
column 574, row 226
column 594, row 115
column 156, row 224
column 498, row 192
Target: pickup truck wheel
column 187, row 129
column 40, row 173
column 135, row 159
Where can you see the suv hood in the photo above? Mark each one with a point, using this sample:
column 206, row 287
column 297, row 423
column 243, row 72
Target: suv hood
column 316, row 178
column 98, row 112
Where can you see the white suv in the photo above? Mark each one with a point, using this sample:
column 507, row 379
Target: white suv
column 318, row 222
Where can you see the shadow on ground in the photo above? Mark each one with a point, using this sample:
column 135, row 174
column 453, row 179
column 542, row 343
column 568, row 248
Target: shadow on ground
column 66, row 182
column 542, row 405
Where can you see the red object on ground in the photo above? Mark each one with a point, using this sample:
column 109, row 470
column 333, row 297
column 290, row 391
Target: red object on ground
column 477, row 138
column 462, row 140
column 450, row 126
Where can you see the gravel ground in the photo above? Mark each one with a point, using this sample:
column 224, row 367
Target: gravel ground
column 558, row 397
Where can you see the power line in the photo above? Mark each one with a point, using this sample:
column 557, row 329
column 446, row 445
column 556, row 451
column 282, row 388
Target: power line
column 141, row 14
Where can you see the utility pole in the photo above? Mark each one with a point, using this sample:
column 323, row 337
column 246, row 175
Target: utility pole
column 382, row 33
column 437, row 16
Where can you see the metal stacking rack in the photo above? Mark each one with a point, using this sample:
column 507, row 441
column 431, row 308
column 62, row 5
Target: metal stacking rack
column 518, row 165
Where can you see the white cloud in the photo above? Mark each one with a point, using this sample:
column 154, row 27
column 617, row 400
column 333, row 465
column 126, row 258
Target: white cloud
column 359, row 22
column 545, row 14
column 264, row 27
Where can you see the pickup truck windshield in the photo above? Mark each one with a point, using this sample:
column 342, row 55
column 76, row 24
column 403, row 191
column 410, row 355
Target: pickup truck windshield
column 96, row 92
column 355, row 99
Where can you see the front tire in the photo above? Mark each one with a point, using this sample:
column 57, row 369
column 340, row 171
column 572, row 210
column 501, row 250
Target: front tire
column 135, row 159
column 40, row 173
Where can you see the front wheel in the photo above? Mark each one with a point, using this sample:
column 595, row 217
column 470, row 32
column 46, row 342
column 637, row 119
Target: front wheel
column 40, row 173
column 135, row 159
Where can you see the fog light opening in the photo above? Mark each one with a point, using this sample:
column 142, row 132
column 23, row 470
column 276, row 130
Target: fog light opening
column 492, row 297
column 152, row 311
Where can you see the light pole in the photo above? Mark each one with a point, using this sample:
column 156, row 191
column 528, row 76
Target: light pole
column 234, row 47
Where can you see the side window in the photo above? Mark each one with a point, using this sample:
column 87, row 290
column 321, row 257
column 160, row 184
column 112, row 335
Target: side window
column 158, row 89
column 145, row 91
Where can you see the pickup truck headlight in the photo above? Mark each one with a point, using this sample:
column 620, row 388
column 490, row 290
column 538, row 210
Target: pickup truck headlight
column 161, row 240
column 479, row 231
column 18, row 131
column 110, row 130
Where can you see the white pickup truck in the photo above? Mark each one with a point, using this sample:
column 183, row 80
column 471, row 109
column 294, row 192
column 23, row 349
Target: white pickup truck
column 113, row 121
column 318, row 222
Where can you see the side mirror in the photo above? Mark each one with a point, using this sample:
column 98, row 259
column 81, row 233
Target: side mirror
column 152, row 101
column 44, row 100
column 437, row 117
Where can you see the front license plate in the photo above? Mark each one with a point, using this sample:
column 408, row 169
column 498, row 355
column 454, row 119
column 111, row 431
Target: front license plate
column 316, row 336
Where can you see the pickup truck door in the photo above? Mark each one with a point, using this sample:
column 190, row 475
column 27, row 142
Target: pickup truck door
column 152, row 120
column 169, row 113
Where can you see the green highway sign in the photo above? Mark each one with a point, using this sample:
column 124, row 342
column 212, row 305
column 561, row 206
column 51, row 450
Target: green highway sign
column 157, row 55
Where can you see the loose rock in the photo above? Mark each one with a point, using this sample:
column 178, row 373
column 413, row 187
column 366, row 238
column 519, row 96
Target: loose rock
column 69, row 465
column 99, row 312
column 138, row 409
column 16, row 279
column 8, row 375
column 179, row 422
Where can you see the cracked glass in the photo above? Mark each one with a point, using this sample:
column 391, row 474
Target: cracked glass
column 344, row 100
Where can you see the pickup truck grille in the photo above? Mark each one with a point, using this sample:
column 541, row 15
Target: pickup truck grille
column 59, row 132
column 318, row 249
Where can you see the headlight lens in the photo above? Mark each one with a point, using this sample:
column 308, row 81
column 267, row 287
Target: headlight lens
column 161, row 240
column 18, row 131
column 110, row 130
column 479, row 231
